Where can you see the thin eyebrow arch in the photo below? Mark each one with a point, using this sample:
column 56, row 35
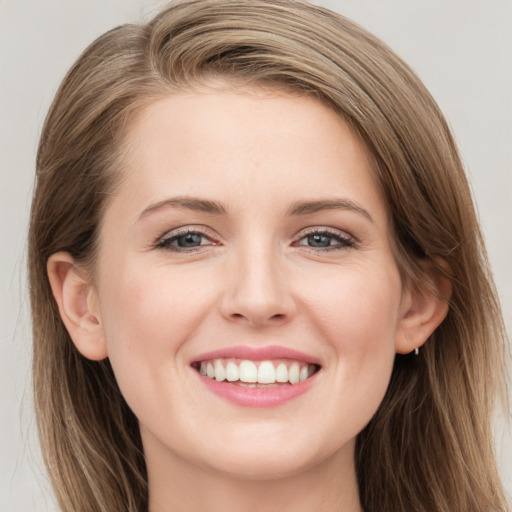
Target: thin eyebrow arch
column 217, row 208
column 307, row 207
column 190, row 203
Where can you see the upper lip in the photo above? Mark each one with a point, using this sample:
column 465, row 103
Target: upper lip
column 257, row 354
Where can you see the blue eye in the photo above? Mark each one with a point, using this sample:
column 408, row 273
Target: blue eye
column 189, row 240
column 193, row 239
column 326, row 240
column 184, row 241
column 319, row 240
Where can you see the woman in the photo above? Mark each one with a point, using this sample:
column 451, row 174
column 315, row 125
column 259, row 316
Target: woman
column 257, row 278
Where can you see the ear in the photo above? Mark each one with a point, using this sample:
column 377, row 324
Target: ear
column 424, row 307
column 78, row 305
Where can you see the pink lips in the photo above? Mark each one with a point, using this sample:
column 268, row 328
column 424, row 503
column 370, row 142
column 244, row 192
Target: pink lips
column 257, row 354
column 257, row 397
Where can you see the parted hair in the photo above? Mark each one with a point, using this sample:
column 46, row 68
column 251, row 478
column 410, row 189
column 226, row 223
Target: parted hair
column 429, row 447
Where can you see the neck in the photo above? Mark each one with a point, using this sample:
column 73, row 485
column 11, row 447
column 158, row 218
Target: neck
column 177, row 484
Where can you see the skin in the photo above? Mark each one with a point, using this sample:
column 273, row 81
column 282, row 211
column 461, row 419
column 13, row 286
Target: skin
column 255, row 280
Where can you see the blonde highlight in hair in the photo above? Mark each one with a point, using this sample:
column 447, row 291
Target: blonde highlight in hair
column 429, row 447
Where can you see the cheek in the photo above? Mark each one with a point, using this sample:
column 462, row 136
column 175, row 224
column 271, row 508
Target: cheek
column 146, row 320
column 357, row 314
column 144, row 301
column 358, row 309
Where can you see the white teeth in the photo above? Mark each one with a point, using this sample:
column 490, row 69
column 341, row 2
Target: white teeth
column 281, row 373
column 220, row 372
column 253, row 373
column 232, row 373
column 266, row 373
column 248, row 371
column 293, row 373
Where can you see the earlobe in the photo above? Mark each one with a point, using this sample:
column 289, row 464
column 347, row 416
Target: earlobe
column 78, row 305
column 424, row 309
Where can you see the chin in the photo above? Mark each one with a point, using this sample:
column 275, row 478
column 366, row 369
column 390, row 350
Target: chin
column 277, row 457
column 264, row 466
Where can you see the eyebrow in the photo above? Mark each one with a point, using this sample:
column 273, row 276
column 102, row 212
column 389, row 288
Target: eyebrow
column 190, row 203
column 307, row 207
column 217, row 208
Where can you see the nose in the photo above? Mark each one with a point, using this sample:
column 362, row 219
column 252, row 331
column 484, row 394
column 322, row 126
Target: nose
column 257, row 293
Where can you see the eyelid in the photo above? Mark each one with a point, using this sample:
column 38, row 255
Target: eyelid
column 324, row 229
column 164, row 241
column 347, row 240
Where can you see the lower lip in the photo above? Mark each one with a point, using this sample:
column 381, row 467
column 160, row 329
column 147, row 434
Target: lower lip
column 257, row 397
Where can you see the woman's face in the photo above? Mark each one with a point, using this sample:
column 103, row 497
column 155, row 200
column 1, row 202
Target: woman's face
column 248, row 236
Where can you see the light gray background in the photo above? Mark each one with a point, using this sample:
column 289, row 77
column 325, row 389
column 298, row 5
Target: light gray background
column 462, row 49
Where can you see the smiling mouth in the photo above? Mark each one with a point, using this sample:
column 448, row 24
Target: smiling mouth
column 256, row 374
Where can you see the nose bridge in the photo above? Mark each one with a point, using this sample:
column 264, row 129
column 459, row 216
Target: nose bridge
column 257, row 292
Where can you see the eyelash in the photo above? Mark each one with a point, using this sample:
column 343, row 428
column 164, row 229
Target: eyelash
column 166, row 241
column 344, row 241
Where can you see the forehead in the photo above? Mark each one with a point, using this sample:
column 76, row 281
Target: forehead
column 219, row 142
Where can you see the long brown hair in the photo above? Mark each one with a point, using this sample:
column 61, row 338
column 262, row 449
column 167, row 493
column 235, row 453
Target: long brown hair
column 429, row 447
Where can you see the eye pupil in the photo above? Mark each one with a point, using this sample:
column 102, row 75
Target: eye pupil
column 319, row 240
column 189, row 240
